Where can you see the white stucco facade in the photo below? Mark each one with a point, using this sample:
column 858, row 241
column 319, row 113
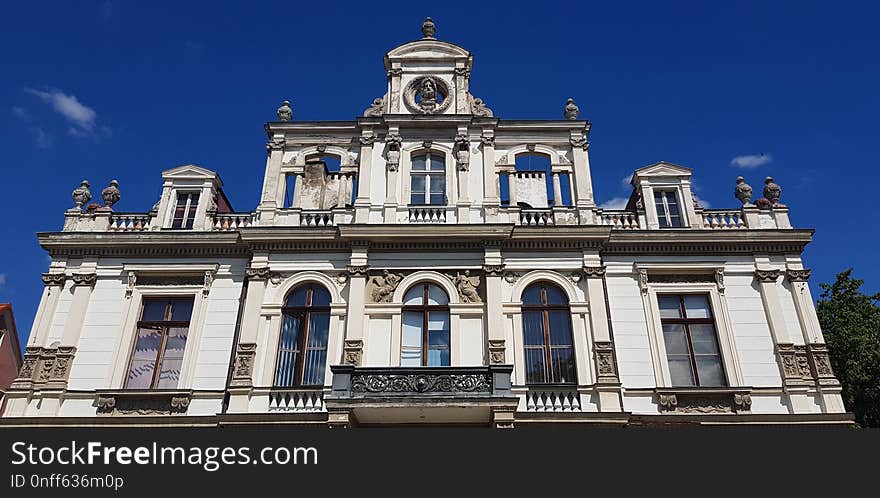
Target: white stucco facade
column 481, row 230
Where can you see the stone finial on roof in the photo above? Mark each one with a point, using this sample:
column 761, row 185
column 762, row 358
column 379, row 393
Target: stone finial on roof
column 111, row 194
column 743, row 191
column 81, row 195
column 772, row 191
column 428, row 28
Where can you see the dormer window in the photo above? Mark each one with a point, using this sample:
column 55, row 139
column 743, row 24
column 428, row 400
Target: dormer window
column 668, row 210
column 185, row 210
column 428, row 180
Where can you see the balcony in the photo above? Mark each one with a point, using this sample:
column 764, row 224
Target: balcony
column 406, row 395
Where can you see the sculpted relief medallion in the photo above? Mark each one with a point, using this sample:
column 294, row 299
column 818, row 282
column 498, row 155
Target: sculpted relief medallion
column 427, row 95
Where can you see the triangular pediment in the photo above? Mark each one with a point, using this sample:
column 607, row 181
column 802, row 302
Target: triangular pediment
column 662, row 169
column 191, row 171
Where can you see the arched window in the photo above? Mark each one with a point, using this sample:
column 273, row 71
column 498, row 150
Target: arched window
column 425, row 338
column 547, row 337
column 302, row 348
column 428, row 179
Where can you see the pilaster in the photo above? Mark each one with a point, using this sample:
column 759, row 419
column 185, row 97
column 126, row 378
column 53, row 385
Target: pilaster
column 362, row 202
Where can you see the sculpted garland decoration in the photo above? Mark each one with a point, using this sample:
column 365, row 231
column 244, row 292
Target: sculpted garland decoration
column 452, row 383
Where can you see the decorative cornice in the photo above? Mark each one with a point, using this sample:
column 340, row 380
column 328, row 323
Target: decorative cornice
column 798, row 275
column 767, row 275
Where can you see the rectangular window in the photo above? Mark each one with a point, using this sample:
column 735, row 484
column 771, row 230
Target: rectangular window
column 691, row 340
column 428, row 180
column 160, row 343
column 668, row 212
column 185, row 210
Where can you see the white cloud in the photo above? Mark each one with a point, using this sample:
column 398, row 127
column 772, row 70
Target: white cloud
column 615, row 203
column 627, row 181
column 702, row 202
column 21, row 113
column 751, row 160
column 82, row 116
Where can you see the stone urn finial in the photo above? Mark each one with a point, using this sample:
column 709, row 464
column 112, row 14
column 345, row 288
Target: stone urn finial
column 111, row 194
column 428, row 28
column 772, row 191
column 743, row 191
column 81, row 195
column 285, row 113
column 571, row 109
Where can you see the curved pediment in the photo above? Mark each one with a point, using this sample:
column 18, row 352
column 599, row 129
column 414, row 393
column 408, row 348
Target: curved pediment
column 427, row 49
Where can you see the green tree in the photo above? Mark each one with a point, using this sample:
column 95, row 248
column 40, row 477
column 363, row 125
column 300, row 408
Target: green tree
column 850, row 322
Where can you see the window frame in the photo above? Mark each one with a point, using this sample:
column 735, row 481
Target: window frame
column 165, row 324
column 431, row 157
column 425, row 309
column 302, row 338
column 545, row 310
column 687, row 322
column 186, row 222
column 665, row 216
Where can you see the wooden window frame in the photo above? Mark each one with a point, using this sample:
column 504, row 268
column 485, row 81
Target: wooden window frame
column 425, row 309
column 687, row 322
column 165, row 324
column 187, row 222
column 428, row 173
column 665, row 215
column 545, row 310
column 302, row 340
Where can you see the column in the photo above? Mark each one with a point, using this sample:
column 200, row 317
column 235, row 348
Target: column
column 353, row 346
column 392, row 165
column 462, row 155
column 242, row 382
column 557, row 190
column 583, row 202
column 491, row 195
column 817, row 350
column 607, row 380
column 269, row 202
column 362, row 203
column 792, row 367
column 493, row 268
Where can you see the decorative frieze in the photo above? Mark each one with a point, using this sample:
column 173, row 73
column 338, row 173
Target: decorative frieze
column 467, row 287
column 767, row 275
column 45, row 366
column 383, row 286
column 704, row 400
column 142, row 403
column 797, row 275
column 795, row 363
column 497, row 350
column 420, row 383
column 353, row 351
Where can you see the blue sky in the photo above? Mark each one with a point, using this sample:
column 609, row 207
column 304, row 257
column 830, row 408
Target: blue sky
column 104, row 90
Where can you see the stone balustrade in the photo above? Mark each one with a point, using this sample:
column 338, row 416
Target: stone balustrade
column 130, row 222
column 551, row 399
column 427, row 214
column 297, row 400
column 536, row 217
column 723, row 219
column 232, row 221
column 626, row 220
column 322, row 218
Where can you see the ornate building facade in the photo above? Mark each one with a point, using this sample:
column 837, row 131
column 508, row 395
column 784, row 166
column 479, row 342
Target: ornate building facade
column 427, row 262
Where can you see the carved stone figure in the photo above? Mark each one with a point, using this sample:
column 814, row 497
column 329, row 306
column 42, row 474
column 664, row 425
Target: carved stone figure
column 377, row 108
column 428, row 28
column 428, row 92
column 111, row 194
column 571, row 109
column 480, row 109
column 385, row 286
column 285, row 113
column 82, row 194
column 772, row 191
column 467, row 287
column 743, row 191
column 393, row 158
